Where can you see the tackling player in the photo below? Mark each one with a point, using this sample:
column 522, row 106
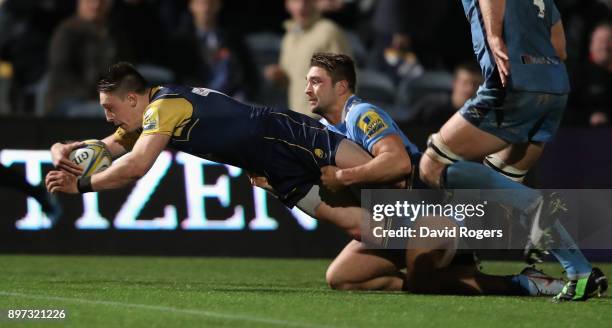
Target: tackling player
column 330, row 92
column 520, row 46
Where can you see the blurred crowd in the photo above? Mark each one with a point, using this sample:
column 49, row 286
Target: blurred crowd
column 415, row 57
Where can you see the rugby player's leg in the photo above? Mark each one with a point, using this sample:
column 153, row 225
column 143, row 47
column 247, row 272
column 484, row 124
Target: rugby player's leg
column 431, row 270
column 515, row 161
column 457, row 141
column 425, row 257
column 360, row 268
column 448, row 164
column 520, row 158
column 426, row 278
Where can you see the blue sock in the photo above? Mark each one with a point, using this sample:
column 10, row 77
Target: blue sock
column 470, row 175
column 521, row 285
column 574, row 263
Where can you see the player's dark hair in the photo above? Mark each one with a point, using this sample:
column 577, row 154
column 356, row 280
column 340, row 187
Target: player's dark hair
column 340, row 67
column 122, row 78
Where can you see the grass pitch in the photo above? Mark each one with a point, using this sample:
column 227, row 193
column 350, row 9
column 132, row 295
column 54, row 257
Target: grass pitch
column 219, row 292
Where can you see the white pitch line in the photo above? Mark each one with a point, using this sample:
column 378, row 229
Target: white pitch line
column 209, row 314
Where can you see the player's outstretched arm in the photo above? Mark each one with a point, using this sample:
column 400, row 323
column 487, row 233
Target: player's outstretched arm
column 60, row 152
column 133, row 165
column 130, row 168
column 114, row 146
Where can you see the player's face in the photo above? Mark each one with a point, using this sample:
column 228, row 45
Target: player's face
column 121, row 111
column 320, row 91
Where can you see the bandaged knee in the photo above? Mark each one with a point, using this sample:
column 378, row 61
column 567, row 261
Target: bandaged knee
column 509, row 171
column 439, row 151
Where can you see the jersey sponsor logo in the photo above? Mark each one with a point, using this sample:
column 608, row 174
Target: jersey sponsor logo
column 372, row 124
column 151, row 120
column 201, row 91
column 541, row 7
column 204, row 92
column 320, row 153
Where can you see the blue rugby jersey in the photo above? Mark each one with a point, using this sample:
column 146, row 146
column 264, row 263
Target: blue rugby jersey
column 534, row 65
column 366, row 124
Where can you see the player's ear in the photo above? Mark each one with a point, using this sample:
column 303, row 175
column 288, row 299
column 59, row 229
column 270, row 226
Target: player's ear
column 132, row 99
column 342, row 87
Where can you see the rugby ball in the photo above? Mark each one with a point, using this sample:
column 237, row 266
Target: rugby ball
column 93, row 157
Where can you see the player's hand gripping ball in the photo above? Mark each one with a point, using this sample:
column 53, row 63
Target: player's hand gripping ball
column 93, row 157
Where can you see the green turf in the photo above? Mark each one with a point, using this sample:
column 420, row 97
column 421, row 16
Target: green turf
column 211, row 292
